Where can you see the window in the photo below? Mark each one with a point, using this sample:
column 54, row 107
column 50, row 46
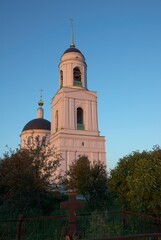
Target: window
column 80, row 125
column 44, row 139
column 29, row 140
column 77, row 76
column 61, row 78
column 56, row 121
column 79, row 116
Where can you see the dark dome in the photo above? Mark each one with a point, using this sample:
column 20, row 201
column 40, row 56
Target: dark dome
column 72, row 49
column 38, row 123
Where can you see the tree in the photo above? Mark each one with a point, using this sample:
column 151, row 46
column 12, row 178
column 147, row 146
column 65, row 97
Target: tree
column 136, row 181
column 27, row 175
column 88, row 179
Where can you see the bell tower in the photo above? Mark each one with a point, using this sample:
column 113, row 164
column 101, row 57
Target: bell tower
column 74, row 121
column 72, row 69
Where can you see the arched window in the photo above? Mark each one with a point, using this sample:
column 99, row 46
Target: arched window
column 56, row 121
column 80, row 125
column 79, row 115
column 61, row 78
column 29, row 141
column 77, row 76
column 44, row 140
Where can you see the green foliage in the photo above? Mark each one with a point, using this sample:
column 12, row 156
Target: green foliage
column 27, row 176
column 136, row 181
column 100, row 226
column 88, row 179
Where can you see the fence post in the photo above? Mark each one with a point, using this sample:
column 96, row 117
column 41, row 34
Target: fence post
column 123, row 219
column 19, row 228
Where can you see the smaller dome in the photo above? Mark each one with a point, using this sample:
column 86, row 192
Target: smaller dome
column 38, row 123
column 72, row 49
column 72, row 53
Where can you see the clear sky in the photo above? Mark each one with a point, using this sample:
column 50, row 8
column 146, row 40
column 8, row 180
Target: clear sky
column 121, row 41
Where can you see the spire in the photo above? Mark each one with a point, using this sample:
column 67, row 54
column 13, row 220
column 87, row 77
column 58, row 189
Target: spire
column 40, row 102
column 40, row 111
column 72, row 45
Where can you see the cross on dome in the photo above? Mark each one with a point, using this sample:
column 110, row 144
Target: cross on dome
column 40, row 102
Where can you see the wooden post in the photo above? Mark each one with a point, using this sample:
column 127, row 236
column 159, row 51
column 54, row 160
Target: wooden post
column 123, row 219
column 71, row 206
column 19, row 228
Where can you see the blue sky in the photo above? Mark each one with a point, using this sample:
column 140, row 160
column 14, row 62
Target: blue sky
column 121, row 41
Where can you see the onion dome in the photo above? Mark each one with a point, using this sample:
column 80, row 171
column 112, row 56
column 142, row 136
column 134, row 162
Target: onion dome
column 38, row 123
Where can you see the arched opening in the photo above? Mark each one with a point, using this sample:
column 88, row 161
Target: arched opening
column 56, row 121
column 61, row 78
column 80, row 125
column 77, row 77
column 29, row 141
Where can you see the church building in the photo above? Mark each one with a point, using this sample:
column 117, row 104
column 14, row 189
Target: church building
column 74, row 122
